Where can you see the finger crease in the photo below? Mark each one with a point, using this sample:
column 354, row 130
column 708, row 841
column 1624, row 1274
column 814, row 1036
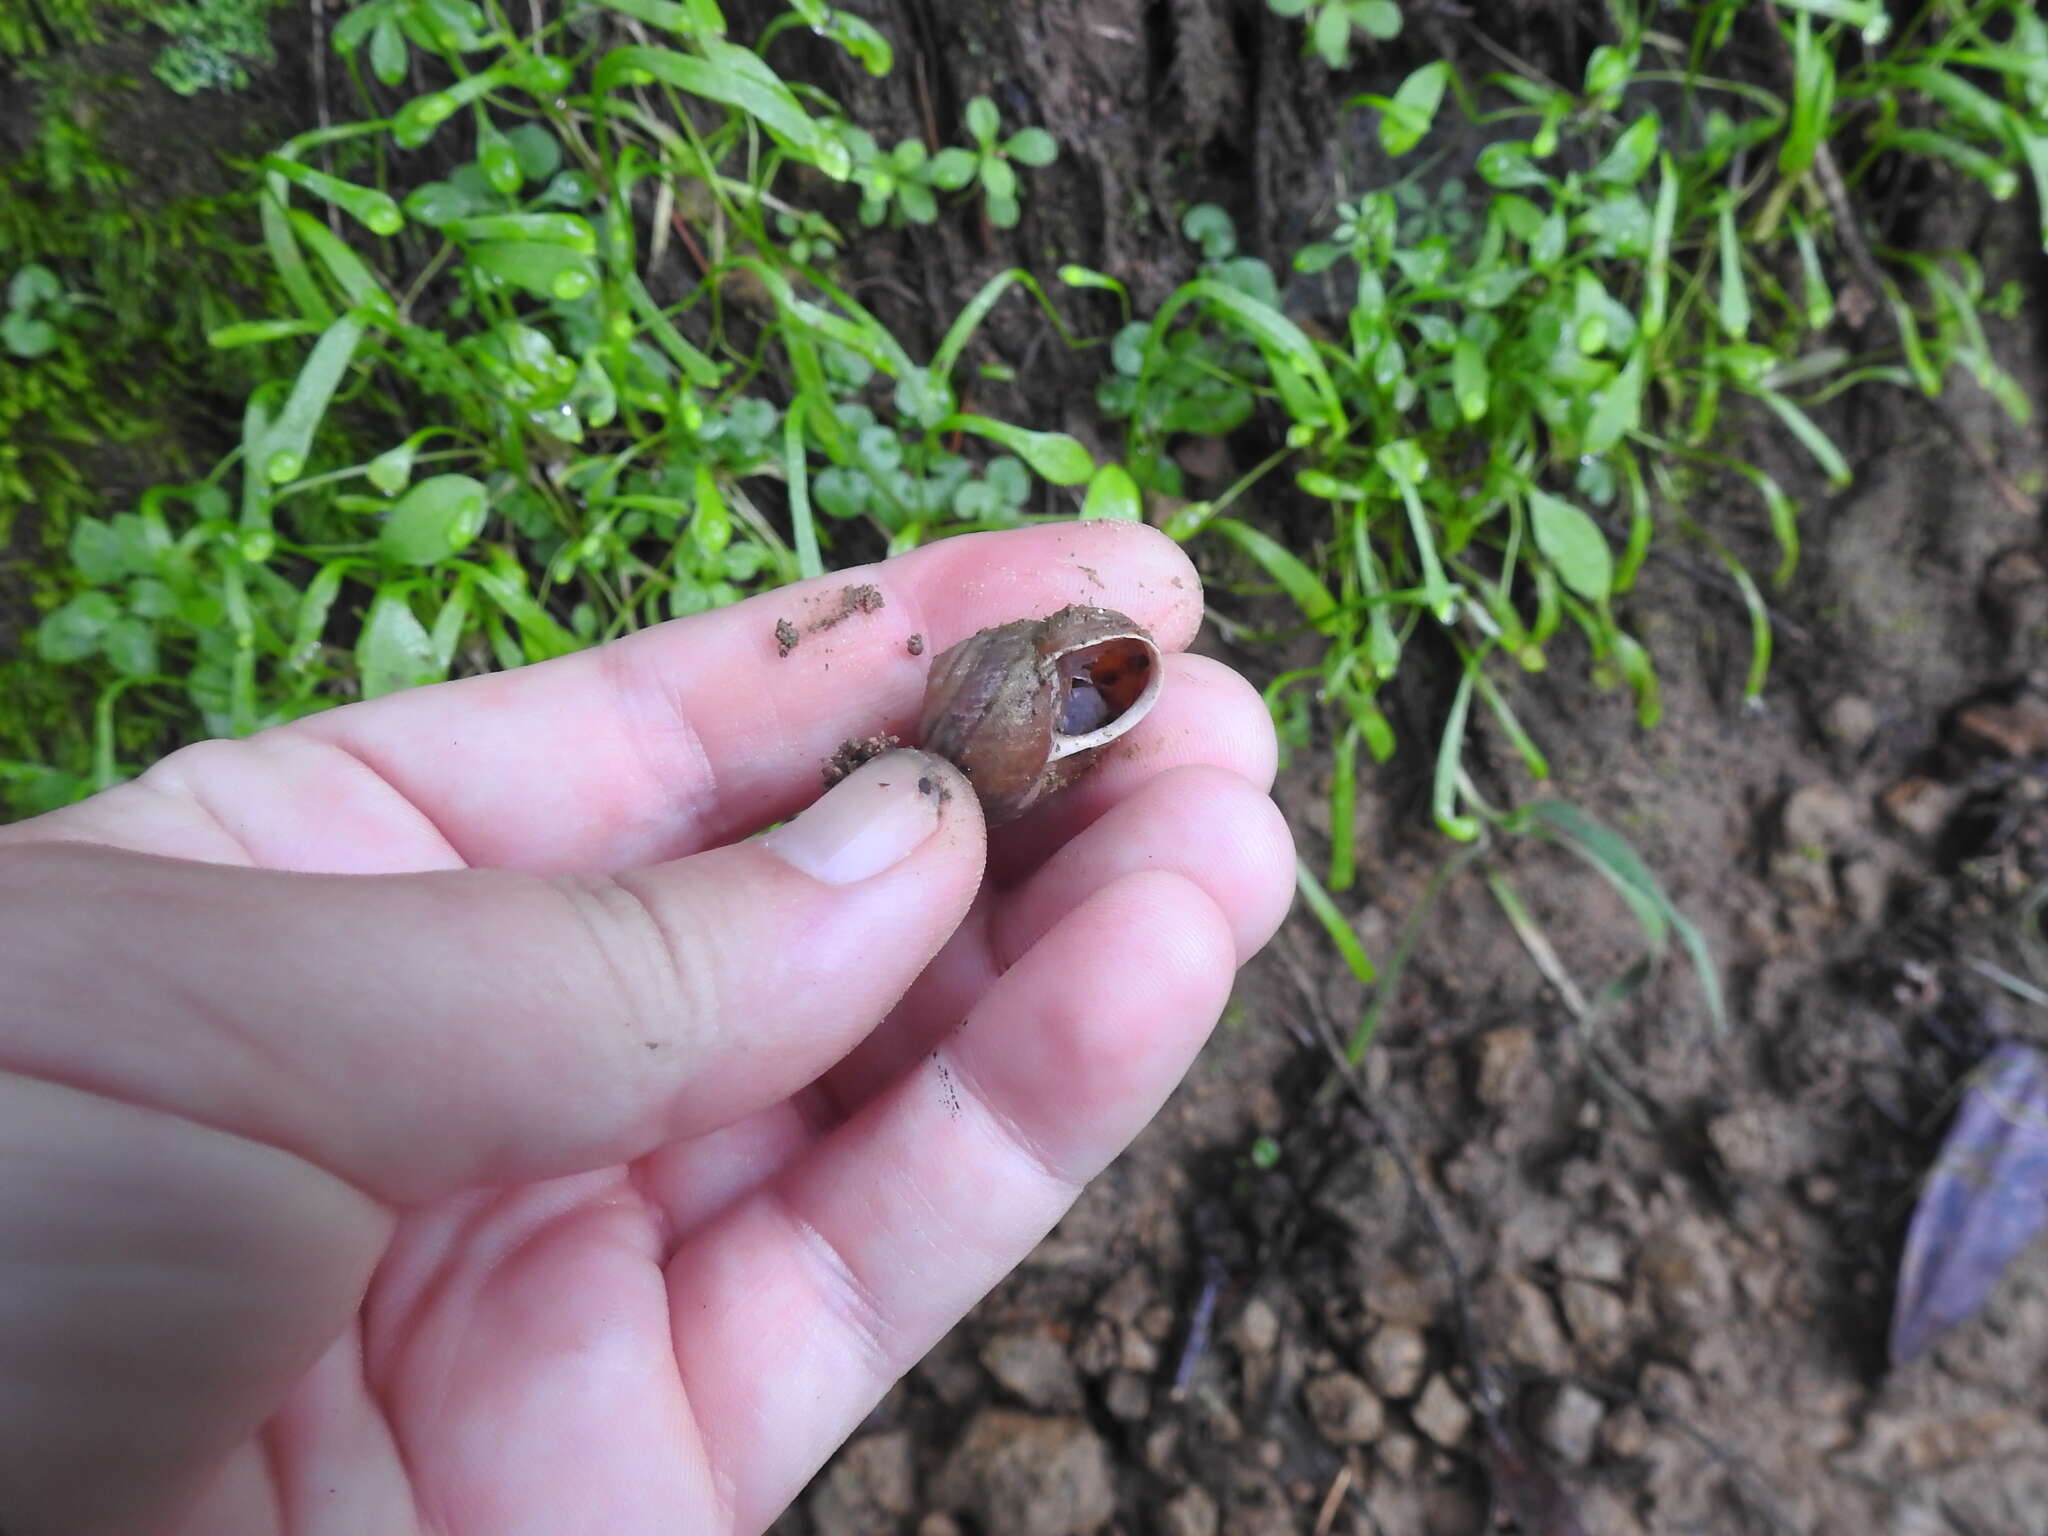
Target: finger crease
column 845, row 1295
column 384, row 782
column 967, row 1088
column 613, row 916
column 167, row 778
column 673, row 759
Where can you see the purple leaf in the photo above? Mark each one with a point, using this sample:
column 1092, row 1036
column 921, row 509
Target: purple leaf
column 1983, row 1203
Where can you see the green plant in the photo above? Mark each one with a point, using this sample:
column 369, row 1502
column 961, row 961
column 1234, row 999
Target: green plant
column 51, row 404
column 209, row 43
column 1509, row 397
column 1331, row 24
column 899, row 182
column 69, row 205
column 38, row 308
column 212, row 43
column 1191, row 380
column 993, row 161
column 903, row 183
column 65, row 157
column 485, row 430
column 113, row 353
column 31, row 28
column 597, row 368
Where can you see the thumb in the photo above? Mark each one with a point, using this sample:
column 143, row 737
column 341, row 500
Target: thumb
column 416, row 1034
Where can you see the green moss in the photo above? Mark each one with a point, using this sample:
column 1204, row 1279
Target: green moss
column 212, row 43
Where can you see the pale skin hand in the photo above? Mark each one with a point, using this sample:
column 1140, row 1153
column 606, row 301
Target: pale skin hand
column 431, row 1116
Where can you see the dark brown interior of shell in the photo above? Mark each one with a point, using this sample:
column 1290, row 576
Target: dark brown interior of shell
column 1099, row 683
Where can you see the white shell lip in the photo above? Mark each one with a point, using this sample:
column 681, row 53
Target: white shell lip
column 1071, row 746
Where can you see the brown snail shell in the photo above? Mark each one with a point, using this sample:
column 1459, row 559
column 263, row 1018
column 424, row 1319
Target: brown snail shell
column 1024, row 708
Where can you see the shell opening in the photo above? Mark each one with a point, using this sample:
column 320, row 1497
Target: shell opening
column 1105, row 689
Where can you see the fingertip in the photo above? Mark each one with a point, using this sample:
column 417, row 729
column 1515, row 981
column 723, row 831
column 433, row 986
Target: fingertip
column 1250, row 850
column 962, row 820
column 1199, row 820
column 1162, row 568
column 1206, row 715
column 1114, row 1004
column 1193, row 926
column 1175, row 944
column 871, row 820
column 1130, row 567
column 1240, row 724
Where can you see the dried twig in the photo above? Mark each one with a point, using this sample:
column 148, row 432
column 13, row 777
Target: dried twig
column 932, row 141
column 1201, row 1323
column 1334, row 1499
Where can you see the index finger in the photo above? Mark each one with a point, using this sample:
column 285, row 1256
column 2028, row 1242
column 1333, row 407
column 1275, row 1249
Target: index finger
column 695, row 732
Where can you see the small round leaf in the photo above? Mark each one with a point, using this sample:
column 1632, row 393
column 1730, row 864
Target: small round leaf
column 1113, row 494
column 999, row 180
column 1379, row 20
column 1032, row 146
column 394, row 651
column 130, row 645
column 952, row 169
column 434, row 520
column 1573, row 544
column 34, row 285
column 74, row 631
column 982, row 120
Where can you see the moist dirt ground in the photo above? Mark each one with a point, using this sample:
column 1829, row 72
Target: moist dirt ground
column 1676, row 1248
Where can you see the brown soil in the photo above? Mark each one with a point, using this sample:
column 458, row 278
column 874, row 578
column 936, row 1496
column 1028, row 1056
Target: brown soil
column 842, row 605
column 853, row 752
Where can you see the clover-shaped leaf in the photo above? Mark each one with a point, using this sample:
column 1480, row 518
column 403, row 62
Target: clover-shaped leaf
column 1031, row 146
column 983, row 122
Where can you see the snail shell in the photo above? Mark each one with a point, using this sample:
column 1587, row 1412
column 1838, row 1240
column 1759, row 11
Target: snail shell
column 1023, row 708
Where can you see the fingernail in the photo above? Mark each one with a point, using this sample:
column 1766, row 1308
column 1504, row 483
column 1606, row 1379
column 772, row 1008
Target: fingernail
column 873, row 819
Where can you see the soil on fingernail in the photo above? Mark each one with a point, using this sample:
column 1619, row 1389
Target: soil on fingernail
column 786, row 637
column 915, row 645
column 856, row 750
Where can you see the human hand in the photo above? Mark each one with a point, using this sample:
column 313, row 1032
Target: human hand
column 428, row 1116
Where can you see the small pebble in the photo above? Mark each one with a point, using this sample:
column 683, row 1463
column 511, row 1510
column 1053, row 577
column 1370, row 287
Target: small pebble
column 1441, row 1413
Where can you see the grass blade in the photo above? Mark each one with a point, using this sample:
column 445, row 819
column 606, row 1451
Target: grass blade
column 1611, row 856
column 1284, row 566
column 803, row 526
column 1734, row 308
column 1304, row 384
column 1335, row 924
column 1811, row 438
column 289, row 441
column 1344, row 811
column 1055, row 456
column 1450, row 751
